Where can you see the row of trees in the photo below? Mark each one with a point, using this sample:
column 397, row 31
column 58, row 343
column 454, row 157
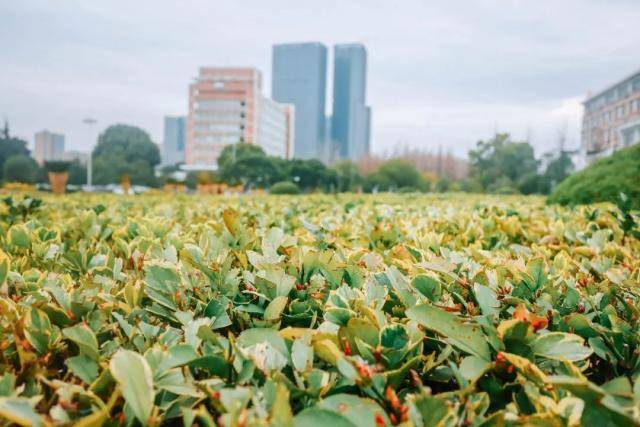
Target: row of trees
column 121, row 150
column 249, row 166
column 498, row 165
column 501, row 165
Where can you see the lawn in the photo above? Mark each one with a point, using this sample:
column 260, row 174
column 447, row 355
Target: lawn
column 376, row 310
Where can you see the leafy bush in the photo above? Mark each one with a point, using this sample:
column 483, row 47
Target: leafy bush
column 387, row 310
column 57, row 166
column 20, row 168
column 284, row 187
column 603, row 181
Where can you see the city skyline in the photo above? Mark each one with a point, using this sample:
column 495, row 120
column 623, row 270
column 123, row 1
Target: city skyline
column 438, row 74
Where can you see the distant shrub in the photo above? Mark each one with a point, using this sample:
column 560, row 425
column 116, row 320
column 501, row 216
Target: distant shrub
column 603, row 181
column 20, row 168
column 284, row 187
column 57, row 166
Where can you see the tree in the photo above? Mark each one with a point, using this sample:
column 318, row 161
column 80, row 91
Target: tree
column 248, row 165
column 500, row 159
column 124, row 149
column 347, row 176
column 395, row 174
column 10, row 146
column 312, row 174
column 77, row 173
column 557, row 171
column 20, row 168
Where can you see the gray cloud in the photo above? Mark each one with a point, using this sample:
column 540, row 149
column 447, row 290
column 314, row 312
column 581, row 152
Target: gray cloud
column 439, row 74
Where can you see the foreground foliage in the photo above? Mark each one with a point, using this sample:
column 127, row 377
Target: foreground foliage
column 354, row 311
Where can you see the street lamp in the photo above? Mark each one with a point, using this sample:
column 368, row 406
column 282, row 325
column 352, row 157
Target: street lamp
column 90, row 122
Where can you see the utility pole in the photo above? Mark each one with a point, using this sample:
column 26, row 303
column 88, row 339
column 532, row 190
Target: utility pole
column 90, row 122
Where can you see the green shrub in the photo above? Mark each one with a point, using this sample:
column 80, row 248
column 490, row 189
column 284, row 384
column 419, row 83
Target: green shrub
column 284, row 187
column 20, row 168
column 603, row 181
column 57, row 166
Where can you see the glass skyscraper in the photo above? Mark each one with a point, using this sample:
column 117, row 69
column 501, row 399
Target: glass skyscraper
column 299, row 78
column 350, row 125
column 174, row 140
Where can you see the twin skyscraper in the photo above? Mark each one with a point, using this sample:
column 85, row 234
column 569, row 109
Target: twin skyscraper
column 299, row 77
column 226, row 106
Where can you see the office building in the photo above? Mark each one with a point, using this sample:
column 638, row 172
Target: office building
column 276, row 124
column 226, row 106
column 175, row 135
column 611, row 119
column 350, row 126
column 49, row 146
column 299, row 78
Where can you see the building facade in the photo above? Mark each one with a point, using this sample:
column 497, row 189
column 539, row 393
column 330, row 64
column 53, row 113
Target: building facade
column 299, row 76
column 48, row 146
column 611, row 119
column 350, row 127
column 226, row 106
column 276, row 124
column 175, row 135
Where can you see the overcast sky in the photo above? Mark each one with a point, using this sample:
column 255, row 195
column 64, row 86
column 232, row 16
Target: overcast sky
column 440, row 73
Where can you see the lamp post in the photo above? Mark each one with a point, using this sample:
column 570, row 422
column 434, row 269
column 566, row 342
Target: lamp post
column 90, row 122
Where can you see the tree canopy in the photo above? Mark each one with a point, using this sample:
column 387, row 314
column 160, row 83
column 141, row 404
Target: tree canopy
column 502, row 165
column 124, row 149
column 20, row 168
column 11, row 146
column 395, row 174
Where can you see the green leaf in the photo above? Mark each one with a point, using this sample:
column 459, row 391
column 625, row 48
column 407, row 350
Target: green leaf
column 4, row 266
column 19, row 236
column 487, row 300
column 301, row 355
column 314, row 417
column 178, row 355
column 19, row 410
column 133, row 374
column 83, row 367
column 427, row 286
column 362, row 412
column 432, row 410
column 38, row 330
column 473, row 367
column 217, row 311
column 85, row 339
column 251, row 337
column 558, row 345
column 467, row 337
column 600, row 408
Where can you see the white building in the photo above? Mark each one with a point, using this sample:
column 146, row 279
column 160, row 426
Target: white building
column 226, row 106
column 48, row 146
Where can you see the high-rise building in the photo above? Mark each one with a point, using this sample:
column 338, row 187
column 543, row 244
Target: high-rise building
column 300, row 78
column 226, row 106
column 48, row 146
column 350, row 126
column 175, row 135
column 611, row 119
